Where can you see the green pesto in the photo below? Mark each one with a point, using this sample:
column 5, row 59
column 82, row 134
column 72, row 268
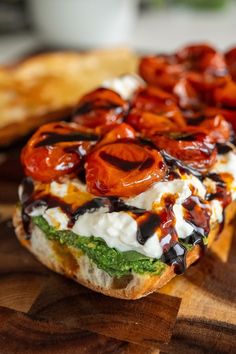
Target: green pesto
column 112, row 261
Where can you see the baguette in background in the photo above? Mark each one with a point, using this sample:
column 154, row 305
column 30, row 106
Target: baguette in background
column 46, row 87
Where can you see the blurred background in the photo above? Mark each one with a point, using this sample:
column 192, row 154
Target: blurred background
column 32, row 26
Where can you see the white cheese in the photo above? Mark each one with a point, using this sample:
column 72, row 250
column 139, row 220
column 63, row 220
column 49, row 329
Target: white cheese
column 118, row 230
column 124, row 85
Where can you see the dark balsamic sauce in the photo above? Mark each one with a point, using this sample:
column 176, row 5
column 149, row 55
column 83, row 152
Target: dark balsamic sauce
column 172, row 161
column 126, row 165
column 147, row 227
column 197, row 214
column 223, row 148
column 27, row 191
column 183, row 136
column 221, row 193
column 54, row 138
column 176, row 256
column 193, row 121
column 88, row 107
column 194, row 238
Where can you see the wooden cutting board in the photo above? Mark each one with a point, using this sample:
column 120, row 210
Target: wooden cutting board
column 41, row 312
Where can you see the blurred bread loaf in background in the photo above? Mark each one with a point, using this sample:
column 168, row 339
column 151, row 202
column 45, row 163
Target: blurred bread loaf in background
column 46, row 87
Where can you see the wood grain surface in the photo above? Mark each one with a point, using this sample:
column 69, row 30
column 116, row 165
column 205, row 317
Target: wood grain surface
column 41, row 312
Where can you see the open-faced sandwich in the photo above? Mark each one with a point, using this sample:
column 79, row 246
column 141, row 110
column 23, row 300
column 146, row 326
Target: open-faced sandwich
column 132, row 191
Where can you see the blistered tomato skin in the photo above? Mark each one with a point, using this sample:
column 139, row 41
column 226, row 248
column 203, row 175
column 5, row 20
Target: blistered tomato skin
column 56, row 149
column 150, row 123
column 217, row 129
column 154, row 110
column 202, row 58
column 162, row 71
column 120, row 132
column 195, row 149
column 123, row 169
column 101, row 107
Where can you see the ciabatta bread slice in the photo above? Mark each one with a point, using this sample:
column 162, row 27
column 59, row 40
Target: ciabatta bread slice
column 72, row 263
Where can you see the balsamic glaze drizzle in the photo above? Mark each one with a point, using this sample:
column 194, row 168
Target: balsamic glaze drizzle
column 176, row 256
column 54, row 138
column 223, row 148
column 171, row 162
column 126, row 165
column 147, row 228
column 87, row 107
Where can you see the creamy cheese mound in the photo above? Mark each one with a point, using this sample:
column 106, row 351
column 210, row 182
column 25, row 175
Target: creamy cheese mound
column 119, row 229
column 125, row 85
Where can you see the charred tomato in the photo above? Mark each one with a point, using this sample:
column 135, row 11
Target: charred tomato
column 99, row 108
column 55, row 150
column 194, row 149
column 123, row 169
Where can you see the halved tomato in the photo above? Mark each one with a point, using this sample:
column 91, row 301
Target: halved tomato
column 55, row 150
column 155, row 109
column 161, row 70
column 153, row 99
column 194, row 149
column 100, row 107
column 229, row 115
column 123, row 169
column 121, row 131
column 212, row 122
column 216, row 127
column 149, row 123
column 188, row 96
column 202, row 58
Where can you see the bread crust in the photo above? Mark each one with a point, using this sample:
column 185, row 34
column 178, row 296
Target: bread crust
column 47, row 87
column 69, row 262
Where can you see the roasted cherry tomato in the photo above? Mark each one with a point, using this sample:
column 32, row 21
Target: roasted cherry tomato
column 202, row 58
column 150, row 123
column 101, row 107
column 205, row 83
column 55, row 150
column 122, row 131
column 154, row 109
column 194, row 149
column 230, row 58
column 188, row 96
column 161, row 70
column 215, row 127
column 152, row 99
column 123, row 169
column 229, row 115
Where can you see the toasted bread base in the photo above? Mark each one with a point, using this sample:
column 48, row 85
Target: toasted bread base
column 73, row 264
column 47, row 87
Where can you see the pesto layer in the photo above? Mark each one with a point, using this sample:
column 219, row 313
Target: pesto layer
column 112, row 261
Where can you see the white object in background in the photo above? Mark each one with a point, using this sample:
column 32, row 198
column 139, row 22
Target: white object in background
column 84, row 23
